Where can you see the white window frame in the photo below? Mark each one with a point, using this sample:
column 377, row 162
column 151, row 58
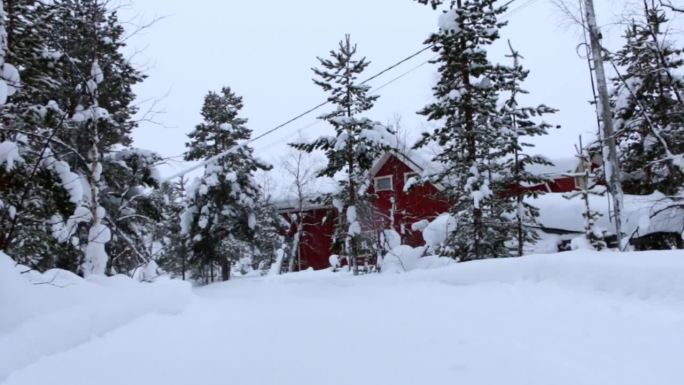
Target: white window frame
column 409, row 175
column 391, row 183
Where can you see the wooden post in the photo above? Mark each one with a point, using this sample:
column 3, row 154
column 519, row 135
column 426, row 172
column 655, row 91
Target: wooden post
column 609, row 150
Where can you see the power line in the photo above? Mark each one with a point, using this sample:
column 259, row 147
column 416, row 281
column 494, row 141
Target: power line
column 374, row 92
column 295, row 118
column 316, row 107
column 384, row 71
column 378, row 88
column 312, row 109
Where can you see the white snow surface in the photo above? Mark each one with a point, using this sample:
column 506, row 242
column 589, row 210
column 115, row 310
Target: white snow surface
column 579, row 317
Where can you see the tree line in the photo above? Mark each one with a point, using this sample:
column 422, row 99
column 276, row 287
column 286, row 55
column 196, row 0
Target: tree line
column 76, row 194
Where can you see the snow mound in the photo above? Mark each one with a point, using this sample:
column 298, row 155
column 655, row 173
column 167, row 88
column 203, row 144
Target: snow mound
column 47, row 313
column 401, row 258
column 405, row 258
column 645, row 275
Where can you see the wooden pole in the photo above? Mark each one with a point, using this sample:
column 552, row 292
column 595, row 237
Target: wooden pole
column 609, row 150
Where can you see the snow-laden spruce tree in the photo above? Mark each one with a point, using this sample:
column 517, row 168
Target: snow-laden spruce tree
column 220, row 217
column 32, row 191
column 649, row 105
column 268, row 241
column 594, row 236
column 9, row 148
column 469, row 124
column 356, row 144
column 173, row 244
column 518, row 125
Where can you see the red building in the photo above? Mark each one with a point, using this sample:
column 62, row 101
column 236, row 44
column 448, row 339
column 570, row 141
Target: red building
column 395, row 206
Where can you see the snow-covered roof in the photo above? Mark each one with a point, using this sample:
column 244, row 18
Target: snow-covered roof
column 415, row 160
column 291, row 204
column 387, row 155
column 560, row 167
column 642, row 213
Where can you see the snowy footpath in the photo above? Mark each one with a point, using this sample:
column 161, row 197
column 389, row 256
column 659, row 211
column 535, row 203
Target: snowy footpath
column 572, row 318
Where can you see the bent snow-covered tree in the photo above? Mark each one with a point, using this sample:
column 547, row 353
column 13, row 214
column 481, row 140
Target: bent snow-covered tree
column 220, row 215
column 356, row 144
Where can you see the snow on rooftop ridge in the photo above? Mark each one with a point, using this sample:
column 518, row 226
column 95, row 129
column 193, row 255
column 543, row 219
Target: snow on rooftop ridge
column 560, row 167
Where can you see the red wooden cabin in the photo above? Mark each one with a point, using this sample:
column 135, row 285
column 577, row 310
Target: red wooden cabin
column 397, row 208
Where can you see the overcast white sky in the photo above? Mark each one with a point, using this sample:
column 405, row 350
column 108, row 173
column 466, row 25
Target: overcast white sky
column 264, row 50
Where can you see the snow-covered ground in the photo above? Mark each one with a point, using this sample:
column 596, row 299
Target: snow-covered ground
column 573, row 318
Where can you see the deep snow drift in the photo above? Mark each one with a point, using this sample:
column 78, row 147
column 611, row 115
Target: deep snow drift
column 573, row 318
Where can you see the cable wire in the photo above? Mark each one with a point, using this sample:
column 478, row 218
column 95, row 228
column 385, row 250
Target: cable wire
column 316, row 107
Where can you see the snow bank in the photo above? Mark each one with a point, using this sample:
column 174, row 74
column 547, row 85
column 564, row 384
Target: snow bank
column 562, row 319
column 43, row 314
column 644, row 275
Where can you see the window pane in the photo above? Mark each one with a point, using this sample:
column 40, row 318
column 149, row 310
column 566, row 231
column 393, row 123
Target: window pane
column 383, row 183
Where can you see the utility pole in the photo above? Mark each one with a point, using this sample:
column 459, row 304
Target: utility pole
column 609, row 151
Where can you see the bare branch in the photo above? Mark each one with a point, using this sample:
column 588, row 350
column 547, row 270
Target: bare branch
column 668, row 4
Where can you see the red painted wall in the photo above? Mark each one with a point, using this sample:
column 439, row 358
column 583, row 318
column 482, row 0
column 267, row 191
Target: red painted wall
column 316, row 242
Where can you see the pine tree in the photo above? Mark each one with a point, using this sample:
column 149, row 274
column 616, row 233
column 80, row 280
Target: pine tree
column 594, row 235
column 173, row 243
column 518, row 124
column 649, row 105
column 469, row 121
column 220, row 217
column 32, row 188
column 357, row 143
column 433, row 3
column 268, row 239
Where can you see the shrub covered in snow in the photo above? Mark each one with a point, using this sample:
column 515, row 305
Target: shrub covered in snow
column 436, row 232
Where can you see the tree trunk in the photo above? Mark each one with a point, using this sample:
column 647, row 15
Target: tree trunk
column 225, row 268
